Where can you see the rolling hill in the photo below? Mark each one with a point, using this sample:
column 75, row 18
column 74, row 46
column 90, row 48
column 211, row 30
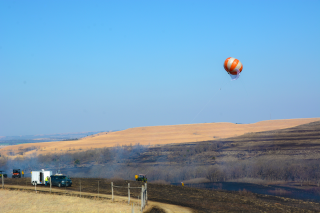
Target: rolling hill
column 155, row 135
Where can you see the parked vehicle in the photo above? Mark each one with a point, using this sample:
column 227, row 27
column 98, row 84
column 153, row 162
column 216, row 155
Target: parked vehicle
column 141, row 177
column 38, row 177
column 16, row 173
column 4, row 174
column 60, row 180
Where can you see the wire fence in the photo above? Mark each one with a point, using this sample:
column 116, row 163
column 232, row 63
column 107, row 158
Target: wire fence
column 143, row 197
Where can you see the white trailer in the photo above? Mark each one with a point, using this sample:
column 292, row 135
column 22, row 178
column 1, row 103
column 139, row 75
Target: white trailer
column 38, row 177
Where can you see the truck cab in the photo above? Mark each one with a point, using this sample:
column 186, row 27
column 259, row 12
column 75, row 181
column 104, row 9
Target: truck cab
column 60, row 180
column 16, row 173
column 141, row 177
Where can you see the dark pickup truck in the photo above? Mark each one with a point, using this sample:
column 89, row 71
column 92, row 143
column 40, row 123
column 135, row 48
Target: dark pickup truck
column 16, row 173
column 60, row 180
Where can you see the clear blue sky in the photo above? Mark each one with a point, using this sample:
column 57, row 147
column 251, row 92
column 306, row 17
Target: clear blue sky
column 72, row 66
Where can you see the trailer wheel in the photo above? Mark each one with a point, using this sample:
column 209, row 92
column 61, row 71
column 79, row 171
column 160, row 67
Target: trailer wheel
column 59, row 185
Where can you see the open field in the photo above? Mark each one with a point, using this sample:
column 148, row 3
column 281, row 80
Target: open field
column 59, row 201
column 155, row 135
column 22, row 201
column 198, row 200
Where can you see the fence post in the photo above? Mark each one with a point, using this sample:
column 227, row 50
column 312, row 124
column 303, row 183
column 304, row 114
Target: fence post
column 50, row 184
column 142, row 203
column 146, row 190
column 2, row 181
column 112, row 190
column 128, row 193
column 98, row 189
column 80, row 188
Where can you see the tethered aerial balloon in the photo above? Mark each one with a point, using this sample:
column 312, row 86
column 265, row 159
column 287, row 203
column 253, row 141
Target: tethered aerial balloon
column 234, row 67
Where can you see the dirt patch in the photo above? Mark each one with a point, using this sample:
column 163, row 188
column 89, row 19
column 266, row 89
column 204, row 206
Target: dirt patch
column 155, row 209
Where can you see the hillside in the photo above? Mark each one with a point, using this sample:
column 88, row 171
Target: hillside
column 290, row 154
column 155, row 135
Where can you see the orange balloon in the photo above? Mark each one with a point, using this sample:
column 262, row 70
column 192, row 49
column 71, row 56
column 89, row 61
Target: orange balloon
column 231, row 65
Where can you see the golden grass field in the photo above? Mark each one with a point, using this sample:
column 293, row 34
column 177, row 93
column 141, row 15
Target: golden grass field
column 20, row 201
column 27, row 201
column 159, row 135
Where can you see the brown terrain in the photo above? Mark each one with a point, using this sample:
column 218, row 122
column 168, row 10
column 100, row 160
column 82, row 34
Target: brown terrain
column 157, row 135
column 197, row 200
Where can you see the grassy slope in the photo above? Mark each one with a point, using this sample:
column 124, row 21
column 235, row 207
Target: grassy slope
column 301, row 143
column 159, row 135
column 296, row 143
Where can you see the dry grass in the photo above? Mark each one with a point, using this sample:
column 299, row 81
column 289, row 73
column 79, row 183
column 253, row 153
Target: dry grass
column 26, row 201
column 21, row 201
column 159, row 135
